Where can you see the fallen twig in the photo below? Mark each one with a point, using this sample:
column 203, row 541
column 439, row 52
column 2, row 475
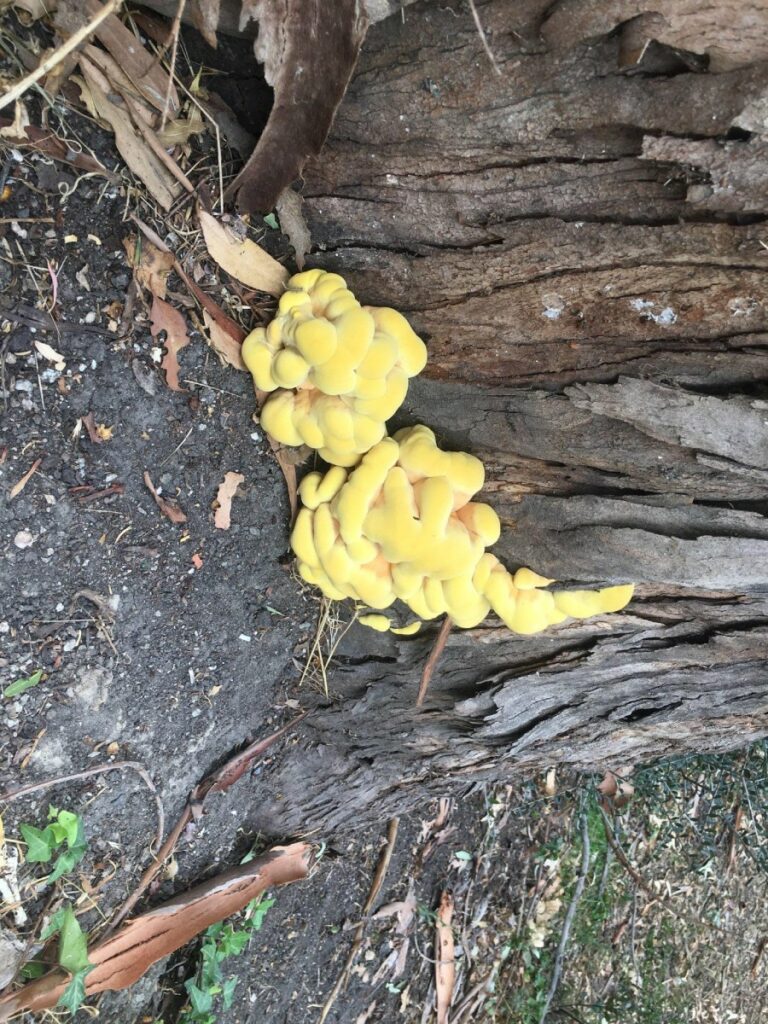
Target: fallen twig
column 378, row 879
column 569, row 916
column 445, row 967
column 120, row 961
column 217, row 782
column 13, row 792
column 433, row 659
column 621, row 857
column 59, row 54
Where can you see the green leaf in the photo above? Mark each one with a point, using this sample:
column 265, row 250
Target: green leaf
column 73, row 944
column 73, row 995
column 228, row 992
column 271, row 221
column 78, row 846
column 21, row 685
column 201, row 1000
column 33, row 969
column 40, row 843
column 257, row 912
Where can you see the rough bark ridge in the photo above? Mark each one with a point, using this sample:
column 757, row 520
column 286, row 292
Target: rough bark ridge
column 597, row 332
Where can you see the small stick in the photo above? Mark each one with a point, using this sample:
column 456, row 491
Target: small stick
column 433, row 659
column 621, row 857
column 59, row 54
column 570, row 914
column 175, row 32
column 217, row 782
column 34, row 787
column 378, row 879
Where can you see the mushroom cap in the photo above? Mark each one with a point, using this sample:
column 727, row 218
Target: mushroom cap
column 322, row 343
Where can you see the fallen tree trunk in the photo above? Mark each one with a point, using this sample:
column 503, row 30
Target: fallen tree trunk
column 597, row 334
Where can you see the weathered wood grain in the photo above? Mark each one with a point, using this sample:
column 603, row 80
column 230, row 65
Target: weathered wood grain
column 598, row 335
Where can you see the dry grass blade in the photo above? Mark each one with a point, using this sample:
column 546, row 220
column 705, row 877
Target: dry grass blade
column 242, row 258
column 121, row 960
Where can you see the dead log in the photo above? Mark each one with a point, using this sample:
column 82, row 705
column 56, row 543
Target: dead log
column 597, row 335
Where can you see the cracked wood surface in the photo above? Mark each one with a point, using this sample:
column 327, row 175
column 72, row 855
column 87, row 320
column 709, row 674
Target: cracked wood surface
column 598, row 336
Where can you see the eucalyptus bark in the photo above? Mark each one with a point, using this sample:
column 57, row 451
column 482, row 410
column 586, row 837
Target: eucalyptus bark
column 597, row 327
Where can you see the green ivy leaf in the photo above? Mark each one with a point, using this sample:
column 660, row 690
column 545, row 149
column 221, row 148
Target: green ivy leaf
column 73, row 944
column 257, row 912
column 271, row 221
column 73, row 995
column 40, row 843
column 228, row 992
column 200, row 999
column 21, row 685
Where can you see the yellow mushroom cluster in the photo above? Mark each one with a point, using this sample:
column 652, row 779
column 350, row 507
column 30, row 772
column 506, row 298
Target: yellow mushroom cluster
column 338, row 370
column 403, row 525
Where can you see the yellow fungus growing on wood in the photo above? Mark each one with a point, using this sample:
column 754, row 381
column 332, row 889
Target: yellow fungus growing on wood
column 403, row 525
column 338, row 370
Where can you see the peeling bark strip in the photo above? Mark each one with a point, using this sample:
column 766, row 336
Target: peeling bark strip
column 308, row 49
column 600, row 340
column 123, row 959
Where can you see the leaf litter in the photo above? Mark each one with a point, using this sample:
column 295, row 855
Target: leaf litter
column 223, row 504
column 166, row 319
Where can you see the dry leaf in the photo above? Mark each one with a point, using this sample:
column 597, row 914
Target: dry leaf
column 152, row 267
column 205, row 18
column 293, row 225
column 142, row 68
column 132, row 148
column 121, row 960
column 223, row 504
column 165, row 318
column 222, row 342
column 168, row 506
column 445, row 968
column 309, row 71
column 103, row 432
column 19, row 486
column 197, row 561
column 242, row 258
column 49, row 353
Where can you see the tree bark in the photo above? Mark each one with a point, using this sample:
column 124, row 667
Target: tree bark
column 597, row 332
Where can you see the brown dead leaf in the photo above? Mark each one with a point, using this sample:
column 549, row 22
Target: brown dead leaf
column 223, row 504
column 19, row 486
column 293, row 225
column 165, row 318
column 205, row 18
column 197, row 561
column 445, row 968
column 138, row 156
column 121, row 960
column 168, row 506
column 309, row 72
column 616, row 792
column 223, row 344
column 151, row 266
column 242, row 258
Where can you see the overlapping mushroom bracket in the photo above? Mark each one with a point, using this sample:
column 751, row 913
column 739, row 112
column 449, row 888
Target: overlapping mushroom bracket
column 339, row 370
column 403, row 525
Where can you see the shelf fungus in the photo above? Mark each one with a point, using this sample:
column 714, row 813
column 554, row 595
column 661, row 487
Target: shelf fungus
column 338, row 370
column 403, row 525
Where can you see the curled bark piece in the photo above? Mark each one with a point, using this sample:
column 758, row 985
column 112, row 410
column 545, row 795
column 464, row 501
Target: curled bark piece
column 309, row 49
column 123, row 959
